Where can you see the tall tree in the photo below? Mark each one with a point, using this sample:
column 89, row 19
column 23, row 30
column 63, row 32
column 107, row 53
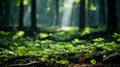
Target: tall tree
column 112, row 18
column 82, row 15
column 21, row 15
column 102, row 12
column 33, row 14
column 7, row 13
column 57, row 11
column 1, row 13
column 88, row 13
column 4, row 14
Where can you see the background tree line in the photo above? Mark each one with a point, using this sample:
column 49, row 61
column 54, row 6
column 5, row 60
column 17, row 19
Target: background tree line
column 42, row 13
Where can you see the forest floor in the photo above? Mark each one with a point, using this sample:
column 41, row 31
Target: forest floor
column 59, row 49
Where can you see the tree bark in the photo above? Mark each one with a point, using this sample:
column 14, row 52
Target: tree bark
column 21, row 15
column 33, row 14
column 1, row 13
column 4, row 14
column 82, row 15
column 112, row 18
column 7, row 13
column 57, row 12
column 102, row 12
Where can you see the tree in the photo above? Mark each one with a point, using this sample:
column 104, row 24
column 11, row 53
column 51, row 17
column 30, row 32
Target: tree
column 88, row 13
column 4, row 14
column 112, row 18
column 57, row 11
column 102, row 12
column 21, row 15
column 7, row 13
column 82, row 15
column 1, row 13
column 33, row 14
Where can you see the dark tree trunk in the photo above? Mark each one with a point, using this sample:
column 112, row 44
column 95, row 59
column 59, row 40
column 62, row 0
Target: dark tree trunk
column 33, row 14
column 88, row 14
column 82, row 15
column 112, row 18
column 57, row 11
column 7, row 13
column 102, row 12
column 21, row 15
column 1, row 13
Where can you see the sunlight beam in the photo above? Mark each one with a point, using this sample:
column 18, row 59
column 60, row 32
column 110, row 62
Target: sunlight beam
column 27, row 16
column 67, row 13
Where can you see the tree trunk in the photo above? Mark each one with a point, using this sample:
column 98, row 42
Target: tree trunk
column 1, row 13
column 112, row 18
column 7, row 13
column 102, row 12
column 21, row 15
column 82, row 15
column 33, row 14
column 88, row 13
column 57, row 12
column 4, row 14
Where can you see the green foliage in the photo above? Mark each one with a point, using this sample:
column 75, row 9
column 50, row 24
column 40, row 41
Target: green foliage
column 98, row 39
column 43, row 35
column 63, row 62
column 25, row 2
column 104, row 56
column 2, row 33
column 18, row 34
column 65, row 33
column 50, row 49
column 76, row 1
column 93, row 61
column 116, row 35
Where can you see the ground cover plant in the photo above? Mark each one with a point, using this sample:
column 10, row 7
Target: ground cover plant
column 60, row 49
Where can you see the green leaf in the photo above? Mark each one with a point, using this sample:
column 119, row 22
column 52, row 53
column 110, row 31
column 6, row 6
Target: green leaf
column 93, row 61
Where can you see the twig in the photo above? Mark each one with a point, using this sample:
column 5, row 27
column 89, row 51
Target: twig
column 20, row 65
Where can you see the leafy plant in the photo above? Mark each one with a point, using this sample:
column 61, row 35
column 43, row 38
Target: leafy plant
column 93, row 61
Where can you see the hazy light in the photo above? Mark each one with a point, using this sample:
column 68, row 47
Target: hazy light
column 48, row 9
column 27, row 16
column 67, row 13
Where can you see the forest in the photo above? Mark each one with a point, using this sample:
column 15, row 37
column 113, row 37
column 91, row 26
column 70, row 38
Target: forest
column 59, row 33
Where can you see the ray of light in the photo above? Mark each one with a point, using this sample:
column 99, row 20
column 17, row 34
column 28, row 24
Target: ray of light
column 67, row 13
column 27, row 16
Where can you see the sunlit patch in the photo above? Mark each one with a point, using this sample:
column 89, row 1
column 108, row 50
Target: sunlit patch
column 20, row 33
column 92, row 7
column 43, row 35
column 65, row 28
column 86, row 31
column 26, row 2
column 77, row 1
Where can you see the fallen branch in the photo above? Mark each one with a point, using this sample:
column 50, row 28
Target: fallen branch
column 21, row 65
